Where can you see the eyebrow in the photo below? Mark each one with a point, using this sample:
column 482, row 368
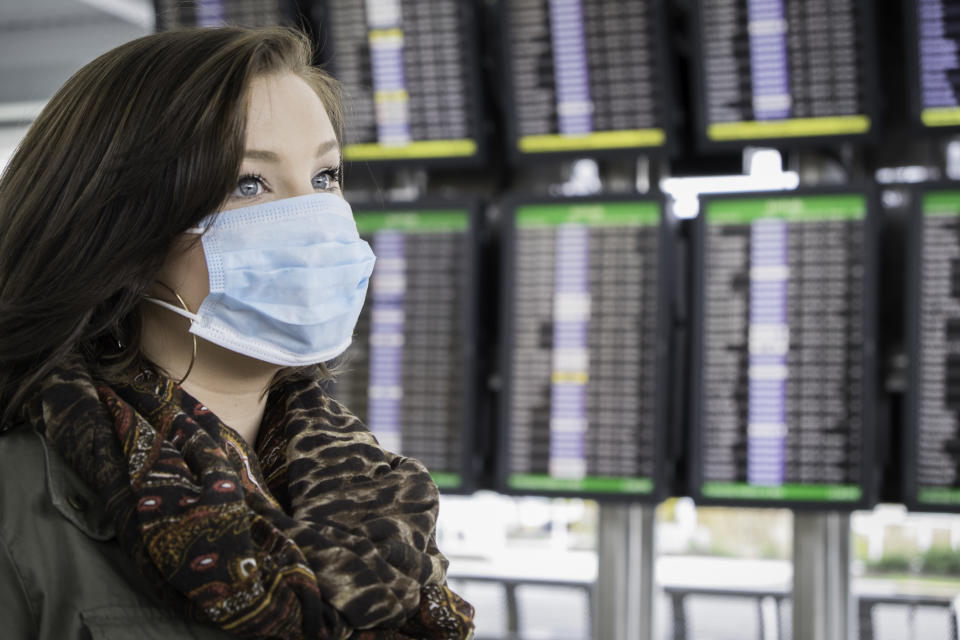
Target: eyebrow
column 270, row 156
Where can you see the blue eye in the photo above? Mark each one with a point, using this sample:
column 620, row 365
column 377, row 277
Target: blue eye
column 327, row 179
column 249, row 186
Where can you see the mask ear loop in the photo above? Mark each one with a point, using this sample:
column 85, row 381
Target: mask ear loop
column 193, row 356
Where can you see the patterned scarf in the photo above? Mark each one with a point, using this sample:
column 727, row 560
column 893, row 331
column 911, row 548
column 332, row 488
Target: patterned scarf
column 332, row 538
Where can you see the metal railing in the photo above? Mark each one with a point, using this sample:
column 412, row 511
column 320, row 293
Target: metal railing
column 867, row 604
column 771, row 605
column 772, row 626
column 510, row 585
column 678, row 608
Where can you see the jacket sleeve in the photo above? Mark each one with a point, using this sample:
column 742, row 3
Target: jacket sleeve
column 15, row 612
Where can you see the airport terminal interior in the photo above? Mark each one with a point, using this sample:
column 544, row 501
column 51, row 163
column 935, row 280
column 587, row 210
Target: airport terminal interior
column 667, row 296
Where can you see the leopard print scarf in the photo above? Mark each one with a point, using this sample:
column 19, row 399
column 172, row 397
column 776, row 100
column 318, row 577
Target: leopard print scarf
column 319, row 533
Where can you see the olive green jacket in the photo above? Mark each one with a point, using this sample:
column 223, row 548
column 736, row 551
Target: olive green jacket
column 63, row 575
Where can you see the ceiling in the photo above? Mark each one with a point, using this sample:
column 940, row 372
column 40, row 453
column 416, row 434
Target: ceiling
column 42, row 42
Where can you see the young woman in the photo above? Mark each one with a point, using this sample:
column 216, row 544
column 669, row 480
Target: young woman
column 176, row 263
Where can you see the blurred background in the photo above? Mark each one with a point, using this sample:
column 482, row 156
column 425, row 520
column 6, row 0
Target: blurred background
column 667, row 298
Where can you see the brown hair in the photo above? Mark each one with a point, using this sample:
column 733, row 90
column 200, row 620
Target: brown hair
column 138, row 146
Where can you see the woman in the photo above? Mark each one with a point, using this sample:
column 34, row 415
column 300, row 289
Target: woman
column 176, row 262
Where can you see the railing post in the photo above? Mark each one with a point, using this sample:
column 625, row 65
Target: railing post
column 779, row 608
column 592, row 607
column 768, row 606
column 865, row 618
column 679, row 615
column 760, row 626
column 954, row 622
column 513, row 617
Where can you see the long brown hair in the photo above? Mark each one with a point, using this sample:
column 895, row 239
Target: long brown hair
column 138, row 146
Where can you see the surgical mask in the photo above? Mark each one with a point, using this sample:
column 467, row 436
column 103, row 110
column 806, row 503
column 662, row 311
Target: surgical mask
column 287, row 280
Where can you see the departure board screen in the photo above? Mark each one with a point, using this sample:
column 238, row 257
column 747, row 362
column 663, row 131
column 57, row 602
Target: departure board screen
column 409, row 372
column 783, row 69
column 783, row 355
column 935, row 41
column 584, row 329
column 409, row 71
column 172, row 14
column 584, row 75
column 933, row 446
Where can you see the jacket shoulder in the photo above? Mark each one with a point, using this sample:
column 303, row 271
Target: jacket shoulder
column 66, row 574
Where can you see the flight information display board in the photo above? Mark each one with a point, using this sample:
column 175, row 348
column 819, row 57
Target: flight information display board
column 934, row 42
column 172, row 14
column 410, row 72
column 783, row 364
column 932, row 442
column 584, row 348
column 409, row 374
column 783, row 70
column 584, row 75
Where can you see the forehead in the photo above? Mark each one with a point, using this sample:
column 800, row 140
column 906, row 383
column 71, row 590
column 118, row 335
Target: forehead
column 284, row 108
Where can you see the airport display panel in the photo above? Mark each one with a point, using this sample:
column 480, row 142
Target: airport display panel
column 584, row 76
column 172, row 14
column 783, row 70
column 584, row 359
column 410, row 73
column 933, row 40
column 409, row 374
column 932, row 441
column 783, row 364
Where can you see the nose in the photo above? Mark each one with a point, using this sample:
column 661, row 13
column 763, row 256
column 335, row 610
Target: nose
column 292, row 180
column 307, row 188
column 297, row 188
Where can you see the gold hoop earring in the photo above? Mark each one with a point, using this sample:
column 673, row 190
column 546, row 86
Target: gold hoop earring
column 193, row 356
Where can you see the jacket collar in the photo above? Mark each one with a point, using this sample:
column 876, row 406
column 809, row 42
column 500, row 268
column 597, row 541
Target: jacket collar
column 73, row 498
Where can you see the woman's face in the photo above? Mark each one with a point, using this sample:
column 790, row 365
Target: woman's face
column 290, row 150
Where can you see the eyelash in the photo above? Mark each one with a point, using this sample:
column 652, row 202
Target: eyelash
column 336, row 174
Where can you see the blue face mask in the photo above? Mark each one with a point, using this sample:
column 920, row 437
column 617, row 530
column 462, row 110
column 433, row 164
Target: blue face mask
column 287, row 280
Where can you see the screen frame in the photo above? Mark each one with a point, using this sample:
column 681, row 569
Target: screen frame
column 912, row 321
column 698, row 92
column 663, row 68
column 469, row 422
column 468, row 17
column 870, row 391
column 665, row 289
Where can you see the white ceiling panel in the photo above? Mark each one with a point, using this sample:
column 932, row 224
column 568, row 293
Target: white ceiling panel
column 42, row 42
